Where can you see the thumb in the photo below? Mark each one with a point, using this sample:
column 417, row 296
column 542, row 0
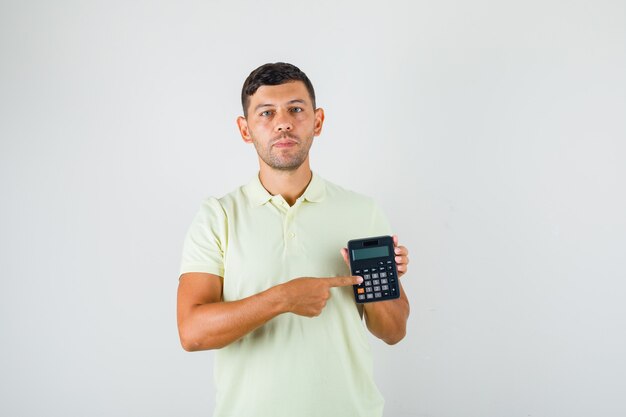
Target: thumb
column 344, row 253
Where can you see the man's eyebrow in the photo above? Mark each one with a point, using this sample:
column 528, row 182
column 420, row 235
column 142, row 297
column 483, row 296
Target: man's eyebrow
column 294, row 101
column 262, row 105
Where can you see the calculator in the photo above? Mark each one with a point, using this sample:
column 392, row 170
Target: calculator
column 373, row 259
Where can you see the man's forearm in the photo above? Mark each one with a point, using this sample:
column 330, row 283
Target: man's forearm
column 215, row 325
column 387, row 319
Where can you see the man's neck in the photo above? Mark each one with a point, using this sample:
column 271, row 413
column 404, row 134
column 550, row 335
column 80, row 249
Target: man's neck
column 289, row 184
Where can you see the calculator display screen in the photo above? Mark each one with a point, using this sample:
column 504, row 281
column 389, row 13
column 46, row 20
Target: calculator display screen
column 368, row 253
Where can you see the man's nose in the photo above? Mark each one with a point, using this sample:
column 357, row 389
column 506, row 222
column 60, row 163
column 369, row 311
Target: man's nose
column 283, row 123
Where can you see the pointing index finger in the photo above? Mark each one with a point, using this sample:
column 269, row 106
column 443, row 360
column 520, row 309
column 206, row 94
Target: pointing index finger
column 344, row 281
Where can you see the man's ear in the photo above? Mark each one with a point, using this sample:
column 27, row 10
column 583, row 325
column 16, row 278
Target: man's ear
column 242, row 124
column 319, row 121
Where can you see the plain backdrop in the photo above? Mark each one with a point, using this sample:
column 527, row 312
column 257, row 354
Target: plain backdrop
column 492, row 133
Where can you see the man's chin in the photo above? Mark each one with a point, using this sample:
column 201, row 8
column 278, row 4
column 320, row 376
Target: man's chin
column 285, row 165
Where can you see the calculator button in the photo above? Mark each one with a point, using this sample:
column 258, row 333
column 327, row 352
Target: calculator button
column 357, row 272
column 360, row 290
column 366, row 271
column 366, row 276
column 390, row 267
column 368, row 283
column 383, row 274
column 388, row 262
column 376, row 288
column 381, row 263
column 369, row 296
column 384, row 281
column 374, row 276
column 361, row 296
column 376, row 282
column 368, row 289
column 378, row 295
column 384, row 287
column 382, row 268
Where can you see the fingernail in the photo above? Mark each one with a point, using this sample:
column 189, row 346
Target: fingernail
column 359, row 279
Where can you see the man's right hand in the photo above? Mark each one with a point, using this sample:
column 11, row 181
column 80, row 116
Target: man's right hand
column 308, row 296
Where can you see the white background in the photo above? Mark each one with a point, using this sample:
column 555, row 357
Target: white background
column 492, row 133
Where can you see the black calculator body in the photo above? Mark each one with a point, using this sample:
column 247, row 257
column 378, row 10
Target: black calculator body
column 373, row 259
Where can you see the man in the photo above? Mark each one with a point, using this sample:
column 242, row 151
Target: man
column 263, row 279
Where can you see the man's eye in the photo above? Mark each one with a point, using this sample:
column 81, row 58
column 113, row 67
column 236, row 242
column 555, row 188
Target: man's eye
column 266, row 113
column 296, row 109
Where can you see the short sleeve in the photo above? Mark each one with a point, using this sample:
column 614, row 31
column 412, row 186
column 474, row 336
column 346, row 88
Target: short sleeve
column 379, row 225
column 206, row 240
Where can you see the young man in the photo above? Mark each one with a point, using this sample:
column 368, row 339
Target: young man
column 264, row 275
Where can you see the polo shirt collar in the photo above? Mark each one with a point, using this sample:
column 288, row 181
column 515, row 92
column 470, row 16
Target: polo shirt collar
column 315, row 191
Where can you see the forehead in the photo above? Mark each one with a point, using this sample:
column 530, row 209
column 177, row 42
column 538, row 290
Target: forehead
column 280, row 94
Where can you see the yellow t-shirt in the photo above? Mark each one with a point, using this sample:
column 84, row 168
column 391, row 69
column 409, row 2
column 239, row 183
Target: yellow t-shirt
column 293, row 366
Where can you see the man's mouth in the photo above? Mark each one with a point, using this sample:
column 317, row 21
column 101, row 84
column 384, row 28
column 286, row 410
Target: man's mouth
column 285, row 142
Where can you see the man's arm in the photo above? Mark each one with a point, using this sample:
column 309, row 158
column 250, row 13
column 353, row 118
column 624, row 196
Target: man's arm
column 387, row 319
column 207, row 322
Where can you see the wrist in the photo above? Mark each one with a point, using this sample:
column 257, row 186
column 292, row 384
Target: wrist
column 276, row 299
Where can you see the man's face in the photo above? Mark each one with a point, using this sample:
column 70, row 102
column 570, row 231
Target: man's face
column 281, row 123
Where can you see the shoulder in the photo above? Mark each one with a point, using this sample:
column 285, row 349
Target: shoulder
column 210, row 216
column 215, row 208
column 212, row 204
column 212, row 207
column 222, row 206
column 244, row 197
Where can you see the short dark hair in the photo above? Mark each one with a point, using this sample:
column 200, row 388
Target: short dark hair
column 273, row 74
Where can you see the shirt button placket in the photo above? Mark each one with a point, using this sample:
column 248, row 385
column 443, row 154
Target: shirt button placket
column 290, row 234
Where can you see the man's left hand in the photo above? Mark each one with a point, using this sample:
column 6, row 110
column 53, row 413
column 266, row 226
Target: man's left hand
column 401, row 256
column 387, row 320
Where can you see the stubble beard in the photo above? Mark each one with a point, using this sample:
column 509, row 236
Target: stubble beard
column 287, row 159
